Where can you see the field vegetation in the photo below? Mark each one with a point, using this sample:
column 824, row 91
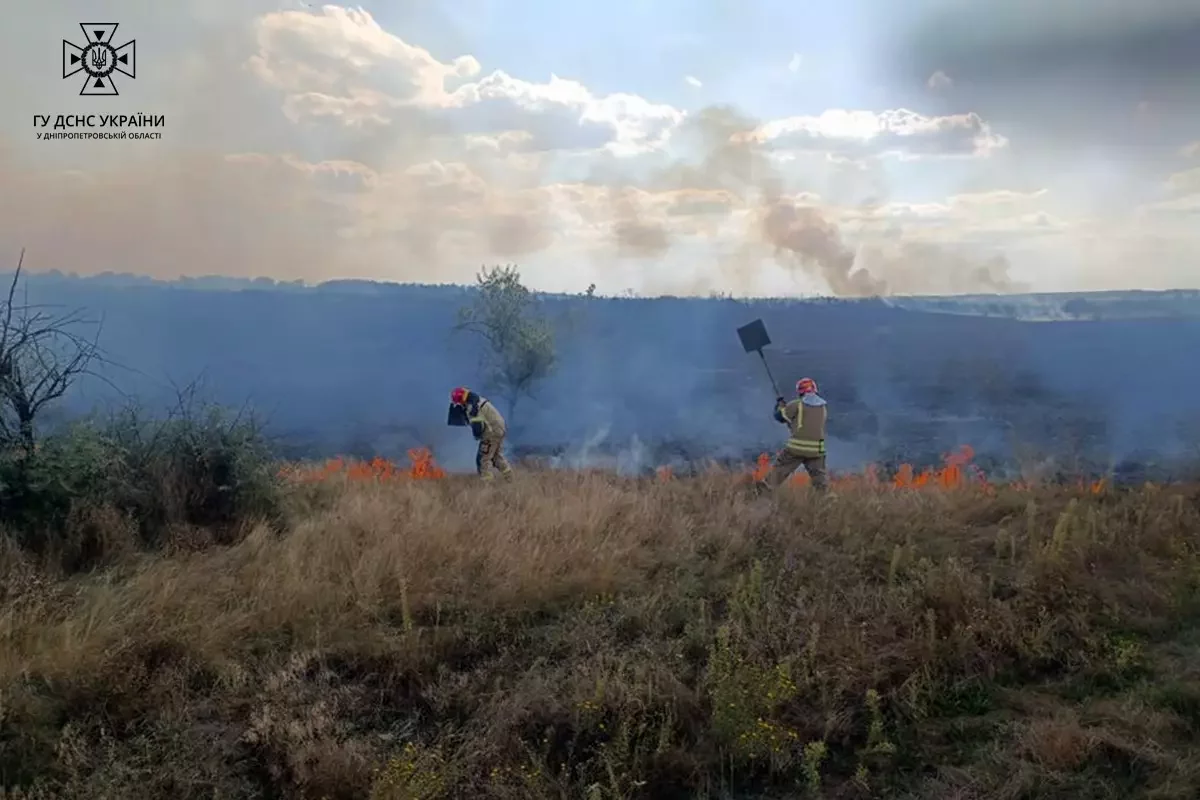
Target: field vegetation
column 182, row 617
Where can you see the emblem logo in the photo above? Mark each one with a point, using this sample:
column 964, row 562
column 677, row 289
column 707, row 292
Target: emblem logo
column 98, row 59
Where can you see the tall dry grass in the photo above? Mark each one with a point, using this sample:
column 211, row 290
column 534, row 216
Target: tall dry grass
column 578, row 635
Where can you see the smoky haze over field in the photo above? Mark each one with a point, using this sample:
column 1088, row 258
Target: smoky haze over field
column 853, row 149
column 365, row 369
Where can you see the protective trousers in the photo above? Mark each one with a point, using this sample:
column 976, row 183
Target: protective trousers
column 490, row 457
column 786, row 462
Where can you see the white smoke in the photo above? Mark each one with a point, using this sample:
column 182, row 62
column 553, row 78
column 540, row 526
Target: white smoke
column 628, row 460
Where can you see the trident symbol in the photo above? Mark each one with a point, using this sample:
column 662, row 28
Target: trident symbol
column 99, row 59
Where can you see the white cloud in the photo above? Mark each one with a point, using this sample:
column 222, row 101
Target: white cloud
column 340, row 64
column 1191, row 150
column 1184, row 183
column 343, row 150
column 693, row 81
column 341, row 51
column 795, row 63
column 939, row 80
column 898, row 131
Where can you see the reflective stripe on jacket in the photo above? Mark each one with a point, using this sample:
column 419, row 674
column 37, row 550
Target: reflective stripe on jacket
column 805, row 418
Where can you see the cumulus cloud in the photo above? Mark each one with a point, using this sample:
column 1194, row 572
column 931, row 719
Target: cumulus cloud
column 340, row 52
column 939, row 80
column 1184, row 183
column 340, row 65
column 693, row 81
column 795, row 63
column 901, row 132
column 318, row 144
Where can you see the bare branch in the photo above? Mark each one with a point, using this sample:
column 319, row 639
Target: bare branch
column 41, row 357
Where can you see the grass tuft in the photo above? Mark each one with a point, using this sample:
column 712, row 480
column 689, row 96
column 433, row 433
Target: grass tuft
column 581, row 635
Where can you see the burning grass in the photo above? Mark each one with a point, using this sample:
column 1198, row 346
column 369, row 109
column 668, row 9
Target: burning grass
column 424, row 467
column 578, row 635
column 958, row 471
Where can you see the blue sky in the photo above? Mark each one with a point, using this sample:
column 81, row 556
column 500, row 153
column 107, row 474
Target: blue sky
column 936, row 146
column 740, row 54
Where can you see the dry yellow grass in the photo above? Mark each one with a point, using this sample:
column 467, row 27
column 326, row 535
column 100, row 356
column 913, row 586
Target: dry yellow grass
column 577, row 635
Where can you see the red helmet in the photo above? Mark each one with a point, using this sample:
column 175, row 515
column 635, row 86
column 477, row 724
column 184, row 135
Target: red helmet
column 806, row 386
column 458, row 396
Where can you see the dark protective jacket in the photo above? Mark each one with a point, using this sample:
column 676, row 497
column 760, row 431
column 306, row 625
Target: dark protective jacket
column 805, row 417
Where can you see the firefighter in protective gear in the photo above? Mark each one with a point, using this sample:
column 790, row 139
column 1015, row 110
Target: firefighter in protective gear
column 487, row 425
column 805, row 417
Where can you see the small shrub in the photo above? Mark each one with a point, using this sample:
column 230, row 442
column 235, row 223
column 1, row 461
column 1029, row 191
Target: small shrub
column 202, row 467
column 101, row 485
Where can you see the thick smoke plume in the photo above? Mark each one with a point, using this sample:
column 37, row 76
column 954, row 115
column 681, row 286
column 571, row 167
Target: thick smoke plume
column 799, row 231
column 803, row 236
column 633, row 233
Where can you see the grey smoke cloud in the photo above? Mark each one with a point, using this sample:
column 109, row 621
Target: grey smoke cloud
column 991, row 41
column 802, row 234
column 1109, row 72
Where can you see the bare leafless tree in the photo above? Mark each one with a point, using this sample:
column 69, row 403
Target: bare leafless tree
column 41, row 356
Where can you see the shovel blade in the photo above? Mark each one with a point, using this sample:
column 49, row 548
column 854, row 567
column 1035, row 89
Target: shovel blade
column 754, row 336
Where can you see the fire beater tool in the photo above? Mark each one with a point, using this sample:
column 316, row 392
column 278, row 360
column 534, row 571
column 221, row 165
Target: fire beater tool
column 456, row 417
column 754, row 338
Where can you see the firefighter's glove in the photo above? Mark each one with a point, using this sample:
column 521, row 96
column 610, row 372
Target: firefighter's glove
column 779, row 401
column 477, row 430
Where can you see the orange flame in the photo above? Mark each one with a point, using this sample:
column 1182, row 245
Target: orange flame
column 423, row 465
column 378, row 469
column 762, row 468
column 957, row 472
